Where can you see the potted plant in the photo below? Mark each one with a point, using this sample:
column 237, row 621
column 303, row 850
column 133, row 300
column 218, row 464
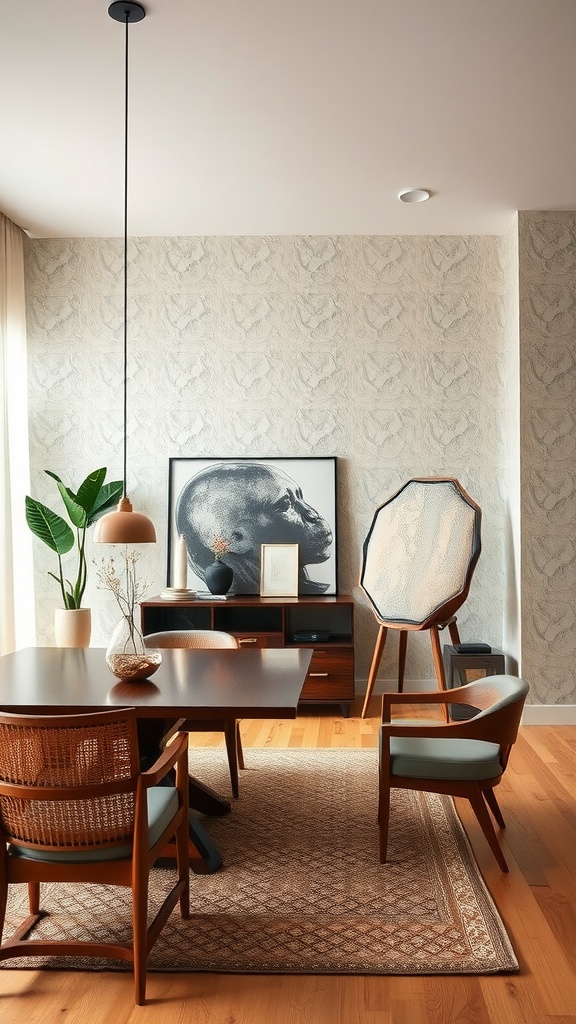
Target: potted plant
column 84, row 508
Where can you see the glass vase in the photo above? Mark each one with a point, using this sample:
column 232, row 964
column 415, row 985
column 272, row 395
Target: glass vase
column 127, row 655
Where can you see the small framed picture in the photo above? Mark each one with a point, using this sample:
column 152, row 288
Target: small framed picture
column 279, row 570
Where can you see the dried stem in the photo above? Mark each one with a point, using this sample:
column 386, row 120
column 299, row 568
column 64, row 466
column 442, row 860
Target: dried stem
column 127, row 589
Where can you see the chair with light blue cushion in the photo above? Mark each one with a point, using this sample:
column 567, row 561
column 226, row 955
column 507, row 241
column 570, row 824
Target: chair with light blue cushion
column 459, row 758
column 76, row 807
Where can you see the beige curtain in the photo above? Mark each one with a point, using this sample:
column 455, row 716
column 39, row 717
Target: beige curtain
column 17, row 619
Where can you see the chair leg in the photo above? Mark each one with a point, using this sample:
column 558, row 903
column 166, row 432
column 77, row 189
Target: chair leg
column 140, row 932
column 490, row 798
column 481, row 811
column 453, row 630
column 438, row 665
column 402, row 644
column 183, row 866
column 239, row 747
column 383, row 820
column 230, row 737
column 437, row 655
column 34, row 897
column 3, row 903
column 378, row 649
column 28, row 923
column 182, row 836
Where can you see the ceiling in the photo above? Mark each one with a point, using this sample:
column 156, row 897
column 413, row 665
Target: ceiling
column 252, row 117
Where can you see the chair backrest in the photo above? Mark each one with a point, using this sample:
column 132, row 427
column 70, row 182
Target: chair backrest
column 420, row 552
column 188, row 638
column 68, row 782
column 491, row 693
column 500, row 701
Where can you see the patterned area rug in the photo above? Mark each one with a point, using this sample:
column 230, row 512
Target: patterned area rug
column 302, row 890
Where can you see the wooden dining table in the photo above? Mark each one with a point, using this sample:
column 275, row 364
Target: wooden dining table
column 189, row 684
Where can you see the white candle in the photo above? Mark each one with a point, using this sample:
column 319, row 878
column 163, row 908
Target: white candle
column 181, row 565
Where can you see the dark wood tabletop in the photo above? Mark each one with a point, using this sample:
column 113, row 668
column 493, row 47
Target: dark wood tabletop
column 200, row 684
column 188, row 683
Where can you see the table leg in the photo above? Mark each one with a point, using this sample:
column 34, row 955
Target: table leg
column 205, row 858
column 205, row 800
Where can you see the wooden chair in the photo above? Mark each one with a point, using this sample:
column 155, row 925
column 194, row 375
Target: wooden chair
column 75, row 807
column 207, row 638
column 418, row 560
column 464, row 758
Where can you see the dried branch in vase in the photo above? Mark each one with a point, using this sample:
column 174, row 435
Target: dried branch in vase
column 127, row 655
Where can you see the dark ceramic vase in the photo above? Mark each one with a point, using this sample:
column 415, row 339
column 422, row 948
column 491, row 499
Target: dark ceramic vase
column 219, row 577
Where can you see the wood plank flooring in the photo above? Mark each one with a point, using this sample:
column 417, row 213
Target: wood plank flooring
column 537, row 901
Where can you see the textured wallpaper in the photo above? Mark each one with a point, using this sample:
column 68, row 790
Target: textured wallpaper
column 548, row 431
column 387, row 352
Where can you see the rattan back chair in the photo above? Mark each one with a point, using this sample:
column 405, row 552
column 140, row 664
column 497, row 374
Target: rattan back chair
column 215, row 639
column 75, row 807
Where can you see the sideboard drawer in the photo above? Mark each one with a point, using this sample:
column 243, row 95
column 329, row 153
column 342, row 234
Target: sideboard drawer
column 247, row 640
column 330, row 676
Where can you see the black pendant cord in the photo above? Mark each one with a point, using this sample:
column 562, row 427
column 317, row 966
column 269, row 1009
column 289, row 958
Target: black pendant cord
column 125, row 355
column 125, row 11
column 120, row 527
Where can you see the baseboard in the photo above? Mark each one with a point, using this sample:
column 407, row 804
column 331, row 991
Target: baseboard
column 534, row 714
column 549, row 714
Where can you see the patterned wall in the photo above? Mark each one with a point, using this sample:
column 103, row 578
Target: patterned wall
column 387, row 352
column 510, row 369
column 548, row 411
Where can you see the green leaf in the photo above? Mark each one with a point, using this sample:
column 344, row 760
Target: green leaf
column 108, row 497
column 53, row 475
column 89, row 490
column 66, row 597
column 48, row 526
column 76, row 512
column 79, row 506
column 71, row 601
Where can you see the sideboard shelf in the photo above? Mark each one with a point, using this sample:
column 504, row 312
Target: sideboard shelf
column 275, row 622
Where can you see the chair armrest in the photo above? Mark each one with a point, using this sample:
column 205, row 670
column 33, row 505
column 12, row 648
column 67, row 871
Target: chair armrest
column 173, row 751
column 472, row 728
column 459, row 695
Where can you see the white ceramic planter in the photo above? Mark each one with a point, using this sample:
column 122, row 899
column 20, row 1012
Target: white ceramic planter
column 72, row 627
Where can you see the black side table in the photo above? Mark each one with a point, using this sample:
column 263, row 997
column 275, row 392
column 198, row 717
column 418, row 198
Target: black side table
column 460, row 669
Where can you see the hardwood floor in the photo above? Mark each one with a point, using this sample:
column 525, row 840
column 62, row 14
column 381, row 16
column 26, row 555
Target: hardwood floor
column 537, row 901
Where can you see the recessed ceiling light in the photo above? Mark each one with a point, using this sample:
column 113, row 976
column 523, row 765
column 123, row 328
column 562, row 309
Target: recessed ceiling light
column 414, row 195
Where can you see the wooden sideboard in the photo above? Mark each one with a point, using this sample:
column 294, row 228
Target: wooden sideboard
column 327, row 623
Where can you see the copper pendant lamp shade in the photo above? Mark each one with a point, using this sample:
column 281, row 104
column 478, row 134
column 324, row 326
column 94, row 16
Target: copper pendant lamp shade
column 124, row 526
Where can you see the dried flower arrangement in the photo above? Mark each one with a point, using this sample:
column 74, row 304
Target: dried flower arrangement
column 128, row 658
column 219, row 547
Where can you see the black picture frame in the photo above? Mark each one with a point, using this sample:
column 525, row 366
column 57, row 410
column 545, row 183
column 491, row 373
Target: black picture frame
column 253, row 501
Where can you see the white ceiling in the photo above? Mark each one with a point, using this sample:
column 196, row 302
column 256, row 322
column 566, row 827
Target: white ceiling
column 287, row 116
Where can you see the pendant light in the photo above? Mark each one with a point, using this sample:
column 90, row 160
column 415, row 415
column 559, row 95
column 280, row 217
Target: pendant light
column 124, row 526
